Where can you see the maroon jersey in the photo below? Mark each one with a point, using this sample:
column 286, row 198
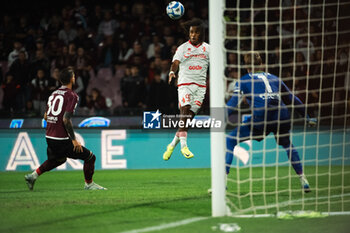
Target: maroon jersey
column 60, row 101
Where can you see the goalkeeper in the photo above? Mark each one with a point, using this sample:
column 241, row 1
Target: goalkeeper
column 268, row 96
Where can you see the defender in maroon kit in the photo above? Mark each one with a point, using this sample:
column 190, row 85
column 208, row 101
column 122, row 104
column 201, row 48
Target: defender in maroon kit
column 60, row 137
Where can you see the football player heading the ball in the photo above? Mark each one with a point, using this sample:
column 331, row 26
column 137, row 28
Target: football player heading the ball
column 192, row 61
column 60, row 136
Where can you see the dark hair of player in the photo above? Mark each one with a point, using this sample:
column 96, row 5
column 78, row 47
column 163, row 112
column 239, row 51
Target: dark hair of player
column 252, row 60
column 195, row 22
column 66, row 75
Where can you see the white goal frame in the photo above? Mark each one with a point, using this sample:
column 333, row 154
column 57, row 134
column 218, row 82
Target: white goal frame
column 217, row 101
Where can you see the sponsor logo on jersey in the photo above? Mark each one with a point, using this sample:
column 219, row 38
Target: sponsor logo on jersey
column 195, row 67
column 52, row 119
column 189, row 55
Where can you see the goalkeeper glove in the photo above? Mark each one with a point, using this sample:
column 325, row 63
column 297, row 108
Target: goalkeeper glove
column 311, row 122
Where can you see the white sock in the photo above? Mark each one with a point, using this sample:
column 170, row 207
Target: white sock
column 183, row 141
column 175, row 141
column 302, row 177
column 35, row 175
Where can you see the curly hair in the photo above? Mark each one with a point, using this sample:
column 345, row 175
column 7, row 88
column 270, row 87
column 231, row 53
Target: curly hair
column 195, row 22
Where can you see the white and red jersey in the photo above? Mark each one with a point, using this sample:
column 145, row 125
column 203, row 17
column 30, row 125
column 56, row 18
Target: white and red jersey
column 194, row 63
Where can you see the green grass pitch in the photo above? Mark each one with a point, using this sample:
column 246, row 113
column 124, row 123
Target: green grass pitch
column 136, row 200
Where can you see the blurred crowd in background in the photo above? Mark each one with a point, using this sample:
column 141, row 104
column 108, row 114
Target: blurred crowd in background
column 306, row 45
column 122, row 51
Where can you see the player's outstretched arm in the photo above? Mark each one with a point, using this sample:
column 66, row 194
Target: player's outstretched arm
column 173, row 68
column 288, row 97
column 67, row 121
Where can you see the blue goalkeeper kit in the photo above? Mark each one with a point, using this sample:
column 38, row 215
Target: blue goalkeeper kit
column 268, row 98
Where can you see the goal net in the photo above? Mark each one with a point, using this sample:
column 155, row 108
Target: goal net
column 306, row 44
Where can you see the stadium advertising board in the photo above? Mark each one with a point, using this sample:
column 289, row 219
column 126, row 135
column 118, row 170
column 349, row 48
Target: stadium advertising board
column 25, row 149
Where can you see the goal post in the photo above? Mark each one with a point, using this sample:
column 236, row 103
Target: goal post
column 217, row 98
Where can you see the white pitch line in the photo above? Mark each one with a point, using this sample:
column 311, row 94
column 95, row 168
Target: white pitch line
column 285, row 203
column 288, row 203
column 338, row 213
column 191, row 220
column 168, row 225
column 274, row 215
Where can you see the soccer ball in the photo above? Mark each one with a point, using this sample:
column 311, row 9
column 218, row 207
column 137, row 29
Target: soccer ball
column 175, row 10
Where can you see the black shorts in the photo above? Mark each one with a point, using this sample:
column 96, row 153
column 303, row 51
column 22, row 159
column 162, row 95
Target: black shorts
column 59, row 149
column 280, row 130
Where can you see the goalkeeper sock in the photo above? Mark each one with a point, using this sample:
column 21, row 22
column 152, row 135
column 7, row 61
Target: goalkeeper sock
column 231, row 142
column 183, row 139
column 229, row 158
column 293, row 156
column 176, row 140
